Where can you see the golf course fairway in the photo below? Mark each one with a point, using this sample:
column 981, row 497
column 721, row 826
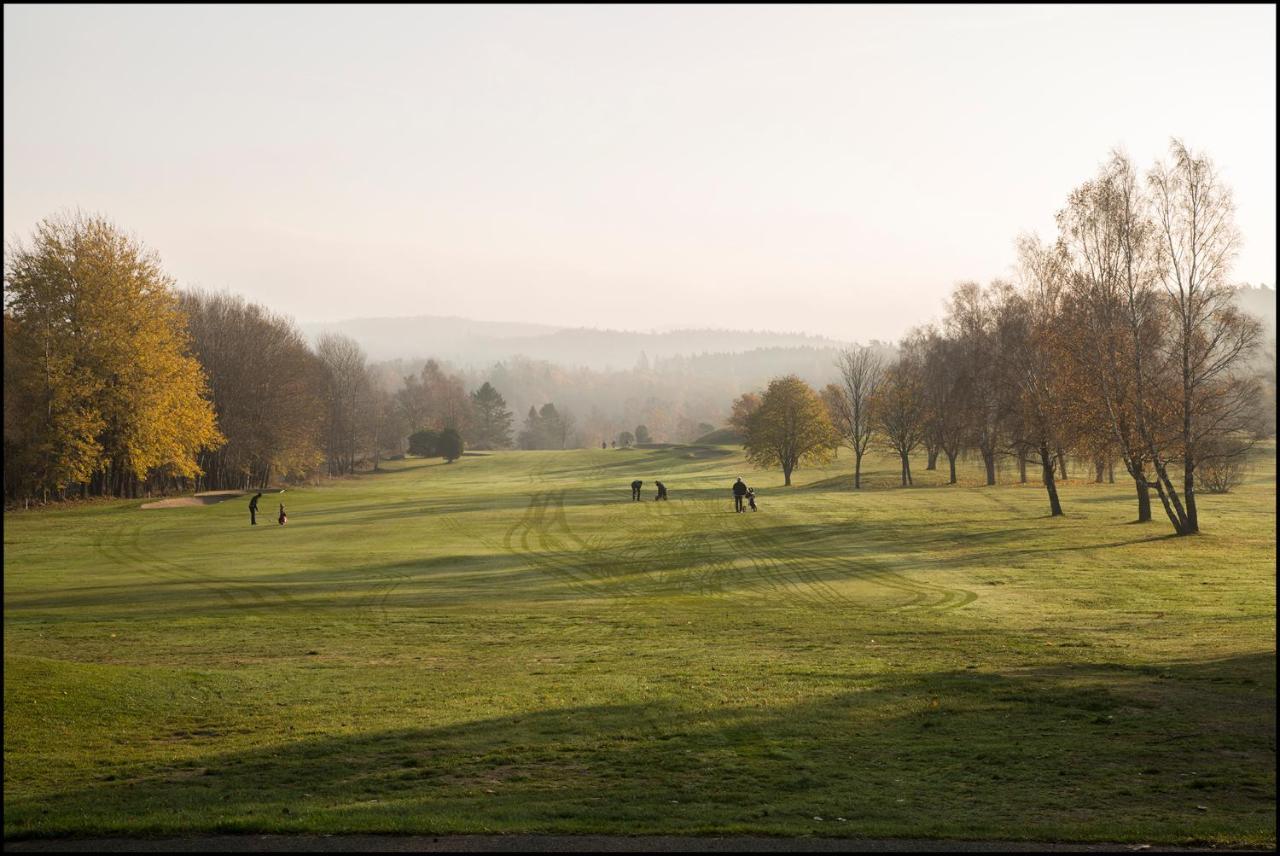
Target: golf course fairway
column 507, row 643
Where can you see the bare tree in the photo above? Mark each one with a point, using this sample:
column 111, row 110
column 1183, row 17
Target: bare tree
column 861, row 372
column 383, row 423
column 1035, row 371
column 1224, row 463
column 970, row 322
column 899, row 409
column 945, row 396
column 1119, row 318
column 348, row 398
column 267, row 388
column 1165, row 341
column 1197, row 240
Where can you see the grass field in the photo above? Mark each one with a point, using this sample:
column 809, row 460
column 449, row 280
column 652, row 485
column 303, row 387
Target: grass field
column 507, row 643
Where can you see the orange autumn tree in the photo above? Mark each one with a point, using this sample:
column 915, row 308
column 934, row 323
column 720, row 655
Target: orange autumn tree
column 789, row 428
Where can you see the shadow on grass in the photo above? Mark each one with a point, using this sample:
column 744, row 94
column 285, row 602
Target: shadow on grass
column 1073, row 750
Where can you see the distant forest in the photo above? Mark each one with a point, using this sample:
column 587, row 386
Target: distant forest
column 677, row 398
column 475, row 344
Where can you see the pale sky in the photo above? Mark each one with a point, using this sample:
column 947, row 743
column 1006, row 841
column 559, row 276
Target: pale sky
column 832, row 170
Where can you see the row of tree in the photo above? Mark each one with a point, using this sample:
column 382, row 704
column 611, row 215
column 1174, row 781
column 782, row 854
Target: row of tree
column 289, row 411
column 1120, row 341
column 678, row 399
column 116, row 383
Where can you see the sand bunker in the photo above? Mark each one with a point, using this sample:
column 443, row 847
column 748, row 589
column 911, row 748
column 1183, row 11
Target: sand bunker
column 208, row 497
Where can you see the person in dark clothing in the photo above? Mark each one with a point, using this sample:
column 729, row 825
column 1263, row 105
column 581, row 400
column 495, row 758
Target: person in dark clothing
column 739, row 491
column 635, row 490
column 603, row 444
column 751, row 499
column 253, row 510
column 662, row 492
column 284, row 518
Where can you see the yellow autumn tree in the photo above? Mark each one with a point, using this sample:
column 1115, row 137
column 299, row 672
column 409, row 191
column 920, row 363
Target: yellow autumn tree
column 50, row 424
column 105, row 361
column 789, row 428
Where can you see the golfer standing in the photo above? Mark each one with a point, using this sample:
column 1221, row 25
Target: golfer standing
column 253, row 510
column 739, row 491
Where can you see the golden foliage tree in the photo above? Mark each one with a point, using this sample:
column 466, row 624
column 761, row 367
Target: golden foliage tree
column 789, row 428
column 103, row 354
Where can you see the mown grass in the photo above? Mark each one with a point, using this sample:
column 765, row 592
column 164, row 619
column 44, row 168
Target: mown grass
column 509, row 644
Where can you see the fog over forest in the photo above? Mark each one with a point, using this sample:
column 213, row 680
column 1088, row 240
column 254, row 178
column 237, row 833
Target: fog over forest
column 676, row 383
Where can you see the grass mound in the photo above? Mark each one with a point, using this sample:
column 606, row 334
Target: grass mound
column 722, row 437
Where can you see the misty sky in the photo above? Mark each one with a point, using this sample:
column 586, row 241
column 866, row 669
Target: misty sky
column 818, row 169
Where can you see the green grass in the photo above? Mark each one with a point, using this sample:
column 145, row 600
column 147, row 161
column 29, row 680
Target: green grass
column 509, row 644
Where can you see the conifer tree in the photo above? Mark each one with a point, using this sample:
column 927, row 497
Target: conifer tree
column 491, row 428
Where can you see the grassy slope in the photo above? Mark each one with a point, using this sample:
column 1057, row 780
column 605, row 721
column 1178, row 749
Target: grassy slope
column 508, row 644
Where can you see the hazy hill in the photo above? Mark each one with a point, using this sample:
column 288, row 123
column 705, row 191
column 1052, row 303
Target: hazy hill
column 428, row 335
column 464, row 342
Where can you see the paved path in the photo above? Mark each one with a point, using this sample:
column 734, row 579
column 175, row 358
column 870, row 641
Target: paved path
column 560, row 844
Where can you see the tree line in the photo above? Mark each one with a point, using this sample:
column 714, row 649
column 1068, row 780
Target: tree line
column 677, row 398
column 116, row 383
column 1118, row 344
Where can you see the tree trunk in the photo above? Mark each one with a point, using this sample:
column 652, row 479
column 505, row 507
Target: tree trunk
column 1099, row 467
column 1169, row 499
column 951, row 459
column 1111, row 472
column 1046, row 464
column 906, row 470
column 1189, row 494
column 1191, row 519
column 1062, row 462
column 1144, row 501
column 933, row 458
column 989, row 458
column 857, row 470
column 1022, row 468
column 786, row 475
